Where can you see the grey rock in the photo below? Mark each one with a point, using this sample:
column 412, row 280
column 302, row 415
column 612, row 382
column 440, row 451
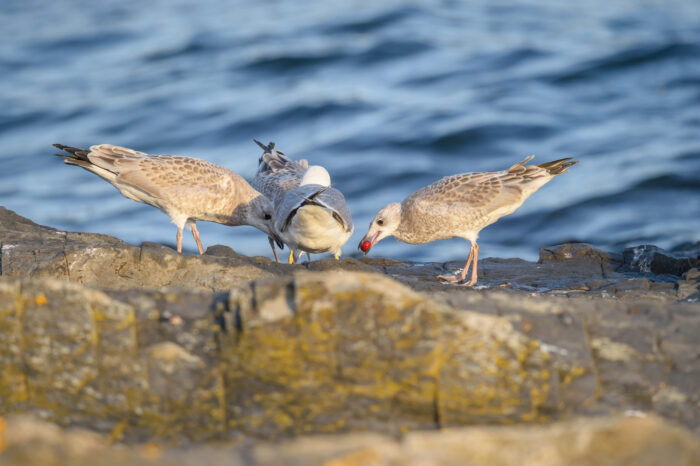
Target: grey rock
column 100, row 261
column 651, row 259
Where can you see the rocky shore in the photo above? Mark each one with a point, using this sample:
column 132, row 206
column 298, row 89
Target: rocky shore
column 146, row 347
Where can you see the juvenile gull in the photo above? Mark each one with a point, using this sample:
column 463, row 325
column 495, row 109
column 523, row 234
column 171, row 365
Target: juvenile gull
column 314, row 217
column 185, row 188
column 276, row 175
column 459, row 206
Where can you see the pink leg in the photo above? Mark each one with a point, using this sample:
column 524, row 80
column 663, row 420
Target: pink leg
column 470, row 258
column 456, row 278
column 179, row 240
column 195, row 233
column 472, row 281
column 274, row 251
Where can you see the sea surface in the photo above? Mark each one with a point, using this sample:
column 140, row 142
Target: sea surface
column 389, row 96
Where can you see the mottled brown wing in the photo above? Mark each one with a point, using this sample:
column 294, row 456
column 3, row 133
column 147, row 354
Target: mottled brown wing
column 482, row 190
column 475, row 189
column 171, row 176
column 159, row 176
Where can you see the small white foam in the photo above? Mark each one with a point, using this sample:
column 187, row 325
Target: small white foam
column 641, row 260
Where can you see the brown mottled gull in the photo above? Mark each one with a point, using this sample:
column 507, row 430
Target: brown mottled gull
column 459, row 206
column 185, row 188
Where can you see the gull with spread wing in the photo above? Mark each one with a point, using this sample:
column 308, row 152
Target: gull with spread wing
column 310, row 215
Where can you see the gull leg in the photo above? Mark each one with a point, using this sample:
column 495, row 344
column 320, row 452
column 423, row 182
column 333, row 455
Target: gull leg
column 195, row 233
column 456, row 277
column 274, row 251
column 337, row 256
column 297, row 256
column 291, row 256
column 470, row 259
column 179, row 239
column 472, row 280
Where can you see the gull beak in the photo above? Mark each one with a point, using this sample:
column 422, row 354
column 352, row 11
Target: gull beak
column 279, row 242
column 372, row 240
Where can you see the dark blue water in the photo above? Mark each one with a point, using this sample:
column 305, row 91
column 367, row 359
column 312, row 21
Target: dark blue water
column 389, row 96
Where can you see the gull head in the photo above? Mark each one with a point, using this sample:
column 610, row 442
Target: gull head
column 316, row 174
column 259, row 214
column 384, row 224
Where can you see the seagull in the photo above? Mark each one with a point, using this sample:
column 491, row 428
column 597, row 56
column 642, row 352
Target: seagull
column 276, row 175
column 185, row 188
column 314, row 217
column 310, row 215
column 460, row 206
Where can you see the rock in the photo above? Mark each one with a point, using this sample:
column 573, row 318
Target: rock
column 315, row 353
column 103, row 262
column 610, row 441
column 651, row 259
column 581, row 252
column 348, row 342
column 142, row 343
column 100, row 261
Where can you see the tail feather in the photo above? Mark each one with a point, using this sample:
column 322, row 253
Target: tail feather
column 272, row 160
column 74, row 153
column 557, row 167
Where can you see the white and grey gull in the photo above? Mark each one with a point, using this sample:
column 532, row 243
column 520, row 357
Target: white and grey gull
column 310, row 215
column 460, row 206
column 187, row 189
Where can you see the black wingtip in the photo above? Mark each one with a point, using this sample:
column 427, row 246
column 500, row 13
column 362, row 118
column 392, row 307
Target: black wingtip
column 267, row 148
column 76, row 152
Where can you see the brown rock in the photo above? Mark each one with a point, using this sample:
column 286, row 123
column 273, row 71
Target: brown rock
column 610, row 441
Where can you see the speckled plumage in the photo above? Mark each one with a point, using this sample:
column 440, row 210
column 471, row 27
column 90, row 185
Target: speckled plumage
column 185, row 188
column 462, row 205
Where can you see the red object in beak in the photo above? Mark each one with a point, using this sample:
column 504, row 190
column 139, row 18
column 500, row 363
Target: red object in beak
column 365, row 246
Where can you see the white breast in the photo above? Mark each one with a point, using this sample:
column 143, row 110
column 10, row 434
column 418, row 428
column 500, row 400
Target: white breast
column 313, row 229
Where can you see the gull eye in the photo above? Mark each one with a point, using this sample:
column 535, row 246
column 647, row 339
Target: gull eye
column 268, row 216
column 380, row 222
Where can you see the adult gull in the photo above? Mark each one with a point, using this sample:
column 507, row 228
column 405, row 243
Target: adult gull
column 310, row 215
column 314, row 217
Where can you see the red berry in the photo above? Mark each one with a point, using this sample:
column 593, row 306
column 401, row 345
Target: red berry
column 365, row 246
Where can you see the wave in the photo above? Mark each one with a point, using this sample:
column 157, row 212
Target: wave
column 627, row 59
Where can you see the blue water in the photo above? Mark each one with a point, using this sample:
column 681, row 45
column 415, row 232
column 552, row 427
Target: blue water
column 389, row 96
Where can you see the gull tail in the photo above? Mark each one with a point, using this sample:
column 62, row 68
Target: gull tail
column 74, row 156
column 557, row 167
column 272, row 160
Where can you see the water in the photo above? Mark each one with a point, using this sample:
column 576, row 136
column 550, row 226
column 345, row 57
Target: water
column 389, row 96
